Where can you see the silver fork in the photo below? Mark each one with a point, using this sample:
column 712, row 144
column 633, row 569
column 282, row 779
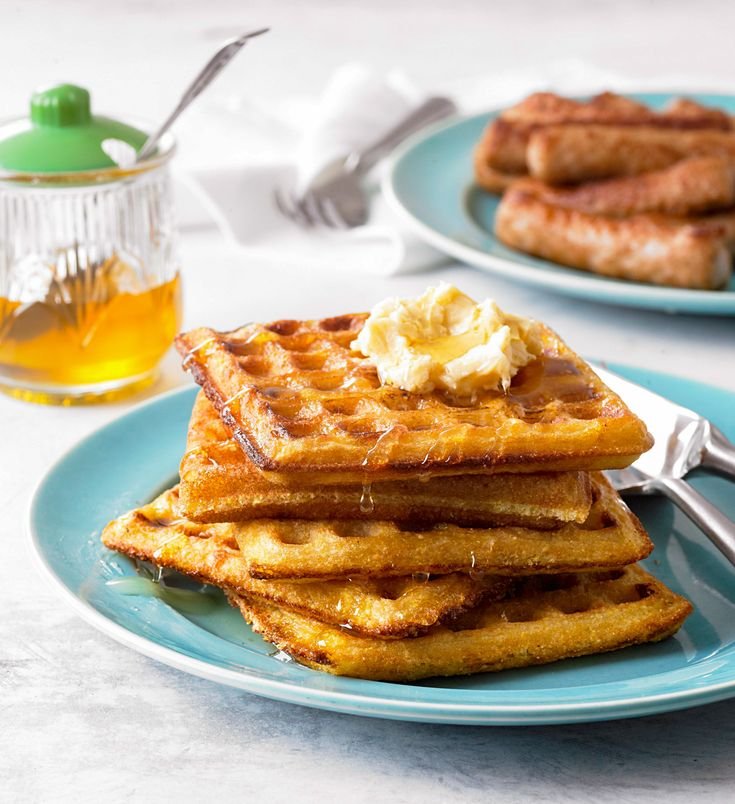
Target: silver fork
column 684, row 440
column 335, row 197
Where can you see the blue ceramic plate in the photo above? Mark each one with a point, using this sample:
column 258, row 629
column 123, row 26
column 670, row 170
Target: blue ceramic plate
column 430, row 183
column 129, row 461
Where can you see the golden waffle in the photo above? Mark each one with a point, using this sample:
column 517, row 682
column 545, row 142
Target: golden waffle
column 549, row 618
column 300, row 402
column 273, row 548
column 385, row 608
column 220, row 484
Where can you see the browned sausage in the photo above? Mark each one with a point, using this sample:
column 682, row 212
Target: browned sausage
column 644, row 248
column 574, row 154
column 506, row 139
column 689, row 187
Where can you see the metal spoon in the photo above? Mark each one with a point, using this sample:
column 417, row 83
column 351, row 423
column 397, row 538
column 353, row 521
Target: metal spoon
column 124, row 154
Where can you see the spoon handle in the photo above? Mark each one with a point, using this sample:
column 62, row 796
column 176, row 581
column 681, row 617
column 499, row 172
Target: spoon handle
column 203, row 79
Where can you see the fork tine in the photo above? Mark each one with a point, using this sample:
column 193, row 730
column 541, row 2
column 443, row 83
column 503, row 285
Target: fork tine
column 280, row 202
column 309, row 211
column 308, row 218
column 288, row 207
column 311, row 208
column 331, row 214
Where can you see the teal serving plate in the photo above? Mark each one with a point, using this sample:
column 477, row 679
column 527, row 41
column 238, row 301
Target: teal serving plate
column 129, row 461
column 430, row 184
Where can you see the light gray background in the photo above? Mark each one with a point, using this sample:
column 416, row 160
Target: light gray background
column 84, row 719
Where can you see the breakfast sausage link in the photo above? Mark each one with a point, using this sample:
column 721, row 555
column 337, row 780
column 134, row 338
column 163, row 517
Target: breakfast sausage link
column 575, row 154
column 689, row 187
column 645, row 248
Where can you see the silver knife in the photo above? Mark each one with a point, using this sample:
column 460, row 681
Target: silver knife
column 683, row 441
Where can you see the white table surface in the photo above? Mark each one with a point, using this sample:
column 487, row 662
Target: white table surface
column 85, row 719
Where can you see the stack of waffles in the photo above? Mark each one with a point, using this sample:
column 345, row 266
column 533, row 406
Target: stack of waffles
column 371, row 532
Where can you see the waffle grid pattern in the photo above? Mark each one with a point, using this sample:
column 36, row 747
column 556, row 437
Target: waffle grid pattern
column 298, row 399
column 386, row 608
column 548, row 618
column 612, row 536
column 220, row 484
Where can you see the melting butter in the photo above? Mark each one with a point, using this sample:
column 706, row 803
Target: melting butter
column 445, row 340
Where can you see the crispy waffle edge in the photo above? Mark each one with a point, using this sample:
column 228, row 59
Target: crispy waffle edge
column 344, row 654
column 595, row 458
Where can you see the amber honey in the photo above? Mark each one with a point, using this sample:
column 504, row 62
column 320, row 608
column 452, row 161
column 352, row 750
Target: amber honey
column 106, row 340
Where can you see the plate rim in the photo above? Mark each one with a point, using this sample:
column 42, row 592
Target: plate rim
column 570, row 281
column 349, row 702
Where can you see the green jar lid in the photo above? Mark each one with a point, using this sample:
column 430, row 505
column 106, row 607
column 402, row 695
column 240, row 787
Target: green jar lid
column 62, row 135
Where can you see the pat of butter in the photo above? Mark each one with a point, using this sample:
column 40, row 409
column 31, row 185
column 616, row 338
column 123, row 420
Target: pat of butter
column 445, row 340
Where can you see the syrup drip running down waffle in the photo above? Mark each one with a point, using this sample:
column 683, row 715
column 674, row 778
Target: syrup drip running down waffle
column 381, row 534
column 297, row 549
column 220, row 484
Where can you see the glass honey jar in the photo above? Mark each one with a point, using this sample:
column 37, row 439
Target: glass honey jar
column 89, row 279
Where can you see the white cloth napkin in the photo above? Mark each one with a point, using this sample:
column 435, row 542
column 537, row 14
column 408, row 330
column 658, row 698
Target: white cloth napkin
column 236, row 153
column 356, row 108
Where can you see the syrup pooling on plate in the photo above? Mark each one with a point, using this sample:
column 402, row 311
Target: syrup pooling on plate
column 200, row 600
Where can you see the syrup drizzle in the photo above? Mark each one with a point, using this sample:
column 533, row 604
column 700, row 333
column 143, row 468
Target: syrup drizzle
column 190, row 601
column 378, row 445
column 158, row 552
column 367, row 504
column 203, row 452
column 189, row 356
column 259, row 336
column 234, row 397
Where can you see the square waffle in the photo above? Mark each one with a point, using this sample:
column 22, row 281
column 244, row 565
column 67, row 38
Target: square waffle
column 219, row 483
column 546, row 619
column 382, row 608
column 298, row 549
column 300, row 402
